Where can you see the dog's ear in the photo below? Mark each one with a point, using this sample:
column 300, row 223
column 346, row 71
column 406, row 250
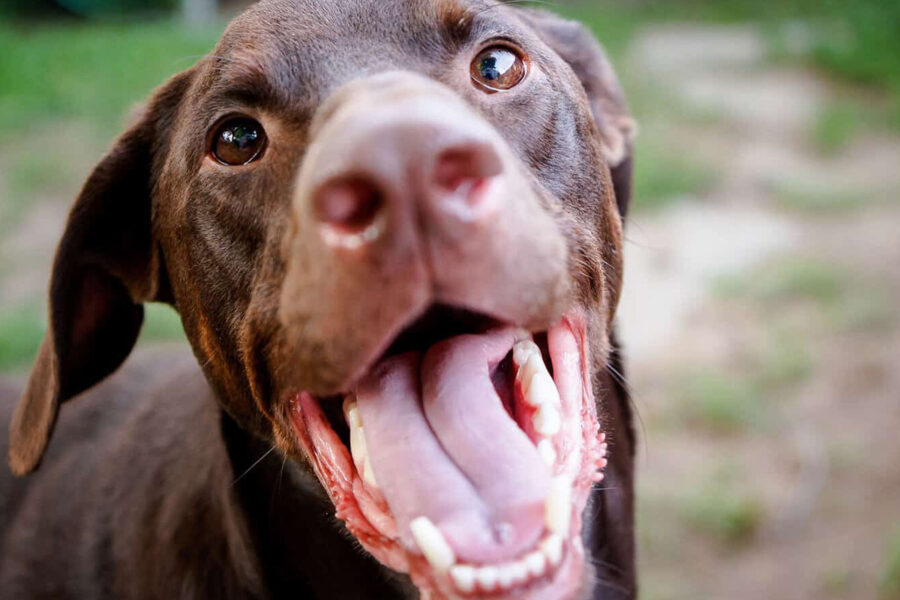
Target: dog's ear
column 578, row 47
column 106, row 265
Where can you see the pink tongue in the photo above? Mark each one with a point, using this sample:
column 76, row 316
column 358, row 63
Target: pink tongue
column 443, row 446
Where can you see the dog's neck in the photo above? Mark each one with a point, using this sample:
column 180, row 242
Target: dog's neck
column 299, row 556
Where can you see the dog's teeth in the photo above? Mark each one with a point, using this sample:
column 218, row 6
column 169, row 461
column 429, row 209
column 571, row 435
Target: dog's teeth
column 558, row 506
column 505, row 575
column 358, row 446
column 547, row 452
column 351, row 412
column 431, row 542
column 533, row 376
column 523, row 349
column 519, row 572
column 546, row 420
column 463, row 577
column 541, row 390
column 521, row 334
column 551, row 546
column 487, row 577
column 368, row 474
column 536, row 563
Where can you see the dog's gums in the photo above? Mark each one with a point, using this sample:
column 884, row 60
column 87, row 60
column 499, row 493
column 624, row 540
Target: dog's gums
column 467, row 465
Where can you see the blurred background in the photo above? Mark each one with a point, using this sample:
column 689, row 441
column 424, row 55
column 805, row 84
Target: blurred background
column 762, row 307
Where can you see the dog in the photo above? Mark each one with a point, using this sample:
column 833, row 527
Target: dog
column 393, row 233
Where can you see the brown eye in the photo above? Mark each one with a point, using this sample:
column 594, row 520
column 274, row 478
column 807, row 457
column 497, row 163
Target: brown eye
column 498, row 68
column 238, row 141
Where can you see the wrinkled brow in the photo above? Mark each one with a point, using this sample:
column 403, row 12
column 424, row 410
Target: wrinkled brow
column 455, row 18
column 244, row 80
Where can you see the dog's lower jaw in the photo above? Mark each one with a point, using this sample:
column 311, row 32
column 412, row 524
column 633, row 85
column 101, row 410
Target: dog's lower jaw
column 552, row 564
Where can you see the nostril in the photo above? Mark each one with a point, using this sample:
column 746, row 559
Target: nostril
column 348, row 205
column 470, row 162
column 462, row 174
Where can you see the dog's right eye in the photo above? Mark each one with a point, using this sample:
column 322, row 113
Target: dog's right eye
column 238, row 141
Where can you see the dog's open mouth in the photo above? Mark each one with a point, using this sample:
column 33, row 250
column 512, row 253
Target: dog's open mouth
column 466, row 459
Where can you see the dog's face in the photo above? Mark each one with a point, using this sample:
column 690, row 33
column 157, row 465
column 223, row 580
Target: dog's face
column 391, row 232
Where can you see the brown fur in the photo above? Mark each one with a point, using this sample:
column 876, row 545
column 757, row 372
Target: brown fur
column 145, row 491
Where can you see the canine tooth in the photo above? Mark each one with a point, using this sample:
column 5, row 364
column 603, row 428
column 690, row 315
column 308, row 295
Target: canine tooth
column 532, row 365
column 536, row 563
column 463, row 577
column 546, row 420
column 358, row 446
column 486, row 577
column 541, row 390
column 547, row 452
column 558, row 506
column 431, row 542
column 351, row 413
column 368, row 474
column 521, row 334
column 523, row 349
column 551, row 546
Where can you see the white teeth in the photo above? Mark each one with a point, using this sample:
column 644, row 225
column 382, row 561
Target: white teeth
column 431, row 542
column 551, row 546
column 521, row 334
column 546, row 420
column 522, row 350
column 558, row 506
column 518, row 571
column 547, row 452
column 368, row 474
column 358, row 442
column 351, row 412
column 536, row 563
column 505, row 575
column 542, row 390
column 528, row 374
column 463, row 577
column 487, row 577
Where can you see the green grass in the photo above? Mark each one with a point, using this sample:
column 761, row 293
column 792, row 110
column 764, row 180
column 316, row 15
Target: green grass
column 89, row 71
column 21, row 330
column 835, row 127
column 785, row 279
column 722, row 510
column 718, row 402
column 664, row 176
column 161, row 323
column 889, row 586
column 816, row 199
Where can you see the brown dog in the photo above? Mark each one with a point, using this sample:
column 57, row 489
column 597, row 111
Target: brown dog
column 392, row 233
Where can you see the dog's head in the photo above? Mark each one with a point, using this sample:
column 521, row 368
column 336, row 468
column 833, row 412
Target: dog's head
column 392, row 233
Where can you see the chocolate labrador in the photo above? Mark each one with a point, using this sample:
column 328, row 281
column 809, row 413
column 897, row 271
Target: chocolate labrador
column 393, row 232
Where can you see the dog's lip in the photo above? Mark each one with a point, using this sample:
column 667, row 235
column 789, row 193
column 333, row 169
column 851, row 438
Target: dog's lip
column 364, row 510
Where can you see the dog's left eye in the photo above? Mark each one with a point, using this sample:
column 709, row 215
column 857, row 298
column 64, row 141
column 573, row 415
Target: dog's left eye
column 498, row 68
column 238, row 141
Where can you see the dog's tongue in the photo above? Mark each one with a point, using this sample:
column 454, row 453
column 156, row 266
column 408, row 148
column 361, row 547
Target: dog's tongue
column 443, row 446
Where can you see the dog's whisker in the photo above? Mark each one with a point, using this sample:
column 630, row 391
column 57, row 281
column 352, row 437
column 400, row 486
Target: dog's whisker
column 256, row 462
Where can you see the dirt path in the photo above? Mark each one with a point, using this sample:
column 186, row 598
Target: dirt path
column 761, row 321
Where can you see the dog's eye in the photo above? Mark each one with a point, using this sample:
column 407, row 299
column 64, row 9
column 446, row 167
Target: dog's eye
column 238, row 141
column 498, row 68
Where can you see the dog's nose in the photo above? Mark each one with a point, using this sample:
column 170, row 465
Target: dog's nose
column 453, row 183
column 421, row 162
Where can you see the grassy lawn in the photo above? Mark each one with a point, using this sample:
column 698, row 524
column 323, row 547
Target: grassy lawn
column 94, row 72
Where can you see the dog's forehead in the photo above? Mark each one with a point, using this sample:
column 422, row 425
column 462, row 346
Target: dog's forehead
column 308, row 48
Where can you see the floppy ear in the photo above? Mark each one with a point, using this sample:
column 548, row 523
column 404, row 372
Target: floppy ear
column 577, row 46
column 106, row 265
